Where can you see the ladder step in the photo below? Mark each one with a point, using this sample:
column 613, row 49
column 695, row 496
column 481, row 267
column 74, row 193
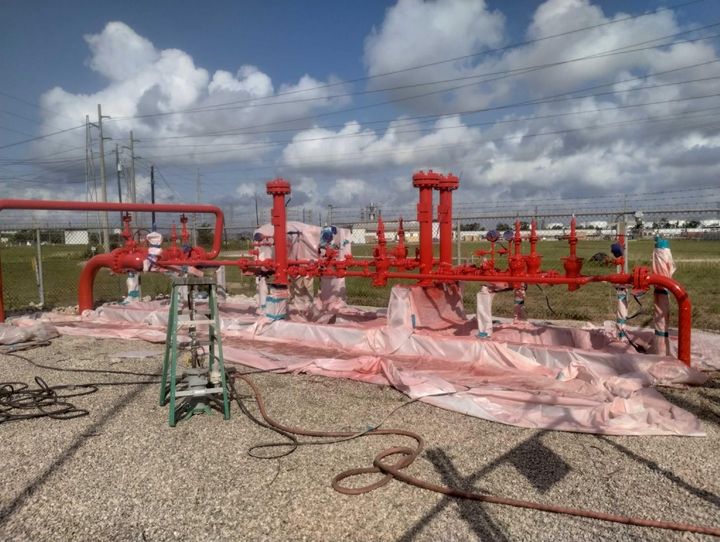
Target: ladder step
column 199, row 392
column 185, row 322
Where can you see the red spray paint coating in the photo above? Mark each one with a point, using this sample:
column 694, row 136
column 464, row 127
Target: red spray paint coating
column 447, row 184
column 85, row 287
column 425, row 182
column 278, row 189
column 390, row 264
column 572, row 264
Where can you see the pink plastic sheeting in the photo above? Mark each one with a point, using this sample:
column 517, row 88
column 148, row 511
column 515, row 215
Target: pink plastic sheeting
column 664, row 265
column 35, row 331
column 583, row 386
column 428, row 307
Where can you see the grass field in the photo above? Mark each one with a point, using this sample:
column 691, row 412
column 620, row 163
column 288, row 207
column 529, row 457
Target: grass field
column 698, row 269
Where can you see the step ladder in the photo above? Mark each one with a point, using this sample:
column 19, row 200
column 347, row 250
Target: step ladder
column 203, row 383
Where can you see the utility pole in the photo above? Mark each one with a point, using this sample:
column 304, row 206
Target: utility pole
column 118, row 168
column 330, row 215
column 195, row 215
column 152, row 195
column 87, row 167
column 257, row 214
column 132, row 194
column 103, row 181
column 131, row 148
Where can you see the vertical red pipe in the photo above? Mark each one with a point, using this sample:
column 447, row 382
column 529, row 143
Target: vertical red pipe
column 425, row 182
column 278, row 189
column 447, row 184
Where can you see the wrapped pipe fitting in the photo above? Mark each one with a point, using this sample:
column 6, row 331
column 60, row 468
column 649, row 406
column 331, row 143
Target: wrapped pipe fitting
column 154, row 240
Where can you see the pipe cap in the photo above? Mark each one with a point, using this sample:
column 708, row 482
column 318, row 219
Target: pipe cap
column 278, row 187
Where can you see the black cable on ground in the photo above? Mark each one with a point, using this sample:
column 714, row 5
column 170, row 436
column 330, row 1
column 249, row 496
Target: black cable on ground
column 407, row 456
column 547, row 300
column 20, row 402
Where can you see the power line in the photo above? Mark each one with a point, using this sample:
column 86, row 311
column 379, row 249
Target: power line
column 254, row 146
column 503, row 74
column 351, row 156
column 442, row 128
column 445, row 61
column 37, row 138
column 424, row 118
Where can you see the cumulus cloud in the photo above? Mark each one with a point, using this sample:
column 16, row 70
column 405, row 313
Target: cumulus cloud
column 607, row 124
column 613, row 123
column 166, row 99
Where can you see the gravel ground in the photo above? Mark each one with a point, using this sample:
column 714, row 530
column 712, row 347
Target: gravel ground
column 122, row 474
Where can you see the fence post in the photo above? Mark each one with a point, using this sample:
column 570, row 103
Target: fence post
column 458, row 240
column 39, row 269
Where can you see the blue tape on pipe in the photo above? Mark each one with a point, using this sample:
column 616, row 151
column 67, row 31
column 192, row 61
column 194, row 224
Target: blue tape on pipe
column 661, row 333
column 661, row 243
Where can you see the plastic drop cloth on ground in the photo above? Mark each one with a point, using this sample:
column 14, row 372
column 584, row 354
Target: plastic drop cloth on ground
column 535, row 375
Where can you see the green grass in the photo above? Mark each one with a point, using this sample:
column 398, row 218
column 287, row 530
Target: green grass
column 596, row 302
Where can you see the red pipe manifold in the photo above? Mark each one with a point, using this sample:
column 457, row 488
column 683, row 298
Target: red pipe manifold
column 85, row 286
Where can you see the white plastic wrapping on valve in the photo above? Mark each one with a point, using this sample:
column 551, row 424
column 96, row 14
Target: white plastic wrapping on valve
column 304, row 244
column 621, row 312
column 133, row 287
column 664, row 265
column 154, row 240
column 276, row 303
column 483, row 311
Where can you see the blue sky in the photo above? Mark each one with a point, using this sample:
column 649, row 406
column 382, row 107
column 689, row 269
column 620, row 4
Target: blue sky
column 632, row 135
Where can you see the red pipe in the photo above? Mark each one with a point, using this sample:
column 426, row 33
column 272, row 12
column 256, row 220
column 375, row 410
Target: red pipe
column 50, row 205
column 60, row 205
column 425, row 182
column 278, row 189
column 115, row 261
column 447, row 184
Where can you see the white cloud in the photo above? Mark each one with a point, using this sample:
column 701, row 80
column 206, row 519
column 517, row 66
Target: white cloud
column 144, row 84
column 592, row 145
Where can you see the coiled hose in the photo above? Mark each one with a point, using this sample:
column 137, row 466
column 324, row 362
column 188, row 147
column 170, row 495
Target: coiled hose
column 407, row 456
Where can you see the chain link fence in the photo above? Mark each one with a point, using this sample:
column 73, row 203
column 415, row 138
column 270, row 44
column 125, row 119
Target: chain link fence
column 41, row 267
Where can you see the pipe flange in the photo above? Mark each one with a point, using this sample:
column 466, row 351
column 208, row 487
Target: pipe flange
column 449, row 182
column 431, row 179
column 641, row 278
column 278, row 187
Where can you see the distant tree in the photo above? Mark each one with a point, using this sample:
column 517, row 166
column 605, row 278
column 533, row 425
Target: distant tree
column 470, row 226
column 524, row 226
column 692, row 224
column 556, row 227
column 204, row 234
column 501, row 226
column 21, row 237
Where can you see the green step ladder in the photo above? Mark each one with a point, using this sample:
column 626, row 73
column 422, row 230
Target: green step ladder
column 201, row 384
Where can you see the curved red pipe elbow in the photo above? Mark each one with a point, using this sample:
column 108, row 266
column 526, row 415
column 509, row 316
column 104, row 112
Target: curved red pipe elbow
column 125, row 261
column 684, row 313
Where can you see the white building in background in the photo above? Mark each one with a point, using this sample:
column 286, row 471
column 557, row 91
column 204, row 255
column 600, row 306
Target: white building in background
column 594, row 224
